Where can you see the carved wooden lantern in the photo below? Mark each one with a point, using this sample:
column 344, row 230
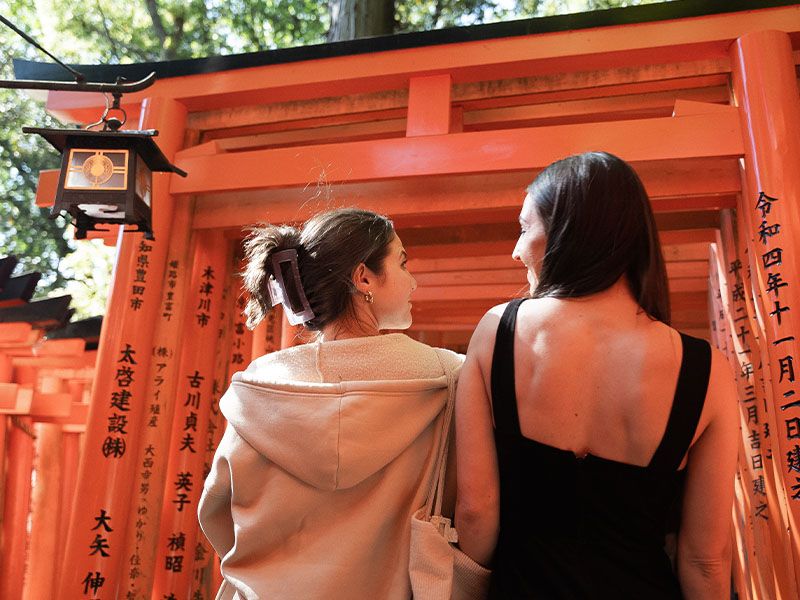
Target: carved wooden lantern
column 106, row 176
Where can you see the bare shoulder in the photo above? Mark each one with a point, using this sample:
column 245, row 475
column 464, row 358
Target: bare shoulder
column 482, row 342
column 722, row 394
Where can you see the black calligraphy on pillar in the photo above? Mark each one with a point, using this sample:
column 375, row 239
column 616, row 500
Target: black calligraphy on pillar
column 766, row 231
column 796, row 489
column 175, row 543
column 98, row 546
column 140, row 275
column 778, row 310
column 764, row 204
column 759, row 486
column 203, row 310
column 162, row 354
column 93, row 581
column 772, row 258
column 757, row 461
column 793, row 459
column 792, row 428
column 786, row 365
column 774, row 283
column 167, row 310
column 115, row 444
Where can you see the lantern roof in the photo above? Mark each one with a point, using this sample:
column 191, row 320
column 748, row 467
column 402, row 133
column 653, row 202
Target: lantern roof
column 140, row 140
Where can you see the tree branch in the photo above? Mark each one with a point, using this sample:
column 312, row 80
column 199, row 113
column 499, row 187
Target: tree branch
column 109, row 37
column 158, row 24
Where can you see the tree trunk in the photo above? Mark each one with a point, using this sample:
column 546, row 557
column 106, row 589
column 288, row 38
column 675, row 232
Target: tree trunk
column 351, row 19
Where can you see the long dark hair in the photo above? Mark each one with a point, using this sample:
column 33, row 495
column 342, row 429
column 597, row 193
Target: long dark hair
column 330, row 245
column 599, row 227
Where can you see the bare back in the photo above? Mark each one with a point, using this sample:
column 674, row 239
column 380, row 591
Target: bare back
column 595, row 376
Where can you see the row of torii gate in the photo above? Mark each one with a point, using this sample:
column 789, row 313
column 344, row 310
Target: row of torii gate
column 442, row 131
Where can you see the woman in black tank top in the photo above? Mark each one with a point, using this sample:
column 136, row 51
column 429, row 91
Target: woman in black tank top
column 573, row 453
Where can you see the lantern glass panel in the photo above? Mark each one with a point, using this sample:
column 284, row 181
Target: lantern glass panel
column 144, row 180
column 92, row 169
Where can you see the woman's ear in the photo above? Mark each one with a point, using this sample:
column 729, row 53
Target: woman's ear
column 362, row 278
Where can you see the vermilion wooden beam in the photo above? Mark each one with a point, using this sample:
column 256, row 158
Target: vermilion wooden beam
column 602, row 47
column 428, row 106
column 716, row 135
column 687, row 236
column 17, row 333
column 592, row 109
column 689, row 184
column 485, row 277
column 437, row 108
column 686, row 252
column 422, row 266
column 702, row 77
column 680, row 78
column 497, row 292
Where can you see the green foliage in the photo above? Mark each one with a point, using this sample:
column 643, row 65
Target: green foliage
column 150, row 30
column 423, row 15
column 25, row 229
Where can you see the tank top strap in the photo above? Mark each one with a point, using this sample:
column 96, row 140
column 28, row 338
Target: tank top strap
column 687, row 405
column 504, row 396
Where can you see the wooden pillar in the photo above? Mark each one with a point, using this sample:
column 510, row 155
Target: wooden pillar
column 45, row 509
column 70, row 460
column 765, row 89
column 260, row 339
column 290, row 335
column 162, row 382
column 16, row 506
column 178, row 528
column 736, row 337
column 777, row 505
column 6, row 371
column 745, row 569
column 98, row 524
column 203, row 551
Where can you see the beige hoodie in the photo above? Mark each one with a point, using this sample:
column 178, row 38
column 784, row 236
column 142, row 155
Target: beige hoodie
column 328, row 452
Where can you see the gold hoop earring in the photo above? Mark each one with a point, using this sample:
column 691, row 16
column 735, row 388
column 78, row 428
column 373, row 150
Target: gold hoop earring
column 369, row 297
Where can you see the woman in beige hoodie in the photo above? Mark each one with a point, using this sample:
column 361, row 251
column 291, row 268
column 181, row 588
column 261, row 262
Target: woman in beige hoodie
column 330, row 446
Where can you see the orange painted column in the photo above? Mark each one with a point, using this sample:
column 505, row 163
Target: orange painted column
column 162, row 382
column 70, row 460
column 763, row 419
column 765, row 88
column 16, row 506
column 45, row 508
column 6, row 371
column 739, row 341
column 291, row 335
column 745, row 568
column 203, row 551
column 259, row 339
column 98, row 524
column 178, row 530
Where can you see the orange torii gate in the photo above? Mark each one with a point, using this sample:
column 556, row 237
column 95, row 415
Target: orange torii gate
column 442, row 131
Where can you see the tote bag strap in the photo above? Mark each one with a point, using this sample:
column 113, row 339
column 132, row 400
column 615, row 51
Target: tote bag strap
column 433, row 502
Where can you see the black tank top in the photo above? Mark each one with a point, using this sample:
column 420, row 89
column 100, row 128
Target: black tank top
column 587, row 528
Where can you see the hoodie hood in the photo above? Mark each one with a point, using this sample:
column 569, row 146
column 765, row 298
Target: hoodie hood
column 332, row 435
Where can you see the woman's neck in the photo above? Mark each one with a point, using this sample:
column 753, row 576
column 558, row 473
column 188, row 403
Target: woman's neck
column 341, row 330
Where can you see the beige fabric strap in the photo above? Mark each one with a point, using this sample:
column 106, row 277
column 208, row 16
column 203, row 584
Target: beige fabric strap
column 433, row 503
